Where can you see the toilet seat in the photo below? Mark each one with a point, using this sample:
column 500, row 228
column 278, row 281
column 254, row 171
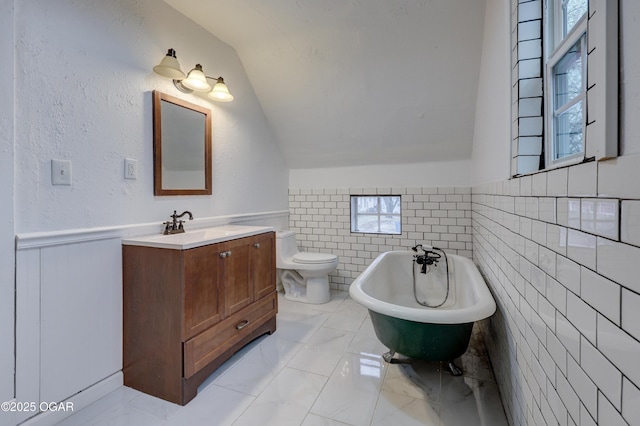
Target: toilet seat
column 313, row 258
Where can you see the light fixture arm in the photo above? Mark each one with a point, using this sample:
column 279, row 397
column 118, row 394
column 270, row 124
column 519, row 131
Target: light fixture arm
column 178, row 84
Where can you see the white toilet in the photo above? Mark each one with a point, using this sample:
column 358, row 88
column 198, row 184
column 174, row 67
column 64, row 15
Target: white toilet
column 304, row 276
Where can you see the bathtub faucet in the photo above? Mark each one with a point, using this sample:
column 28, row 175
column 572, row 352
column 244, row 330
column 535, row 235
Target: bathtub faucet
column 428, row 258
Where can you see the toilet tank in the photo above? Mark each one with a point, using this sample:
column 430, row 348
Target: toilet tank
column 286, row 245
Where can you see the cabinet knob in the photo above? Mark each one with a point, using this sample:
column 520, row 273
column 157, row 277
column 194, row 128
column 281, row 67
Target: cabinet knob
column 229, row 253
column 257, row 245
column 223, row 254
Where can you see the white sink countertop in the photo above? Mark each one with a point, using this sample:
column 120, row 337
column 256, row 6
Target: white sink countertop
column 197, row 237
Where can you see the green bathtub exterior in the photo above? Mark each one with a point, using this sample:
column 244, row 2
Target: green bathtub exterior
column 433, row 342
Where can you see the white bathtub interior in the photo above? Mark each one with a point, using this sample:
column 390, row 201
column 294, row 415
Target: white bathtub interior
column 386, row 286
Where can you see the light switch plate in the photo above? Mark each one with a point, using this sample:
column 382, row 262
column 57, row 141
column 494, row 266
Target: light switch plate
column 60, row 172
column 130, row 168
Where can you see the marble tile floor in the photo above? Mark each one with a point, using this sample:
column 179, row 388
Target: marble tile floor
column 322, row 366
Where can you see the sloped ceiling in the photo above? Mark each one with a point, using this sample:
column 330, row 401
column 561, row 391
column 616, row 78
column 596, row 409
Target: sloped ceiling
column 357, row 82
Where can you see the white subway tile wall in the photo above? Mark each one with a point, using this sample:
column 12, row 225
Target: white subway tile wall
column 630, row 228
column 565, row 342
column 526, row 79
column 321, row 219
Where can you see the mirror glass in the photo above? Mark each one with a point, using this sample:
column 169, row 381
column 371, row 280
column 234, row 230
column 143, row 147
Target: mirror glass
column 181, row 147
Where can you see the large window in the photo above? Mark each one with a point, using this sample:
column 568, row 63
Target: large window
column 566, row 81
column 376, row 214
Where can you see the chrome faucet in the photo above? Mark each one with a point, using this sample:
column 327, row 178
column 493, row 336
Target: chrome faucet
column 175, row 226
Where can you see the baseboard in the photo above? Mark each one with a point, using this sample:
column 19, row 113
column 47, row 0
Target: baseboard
column 79, row 401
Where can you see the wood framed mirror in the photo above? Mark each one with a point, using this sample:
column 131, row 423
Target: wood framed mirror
column 181, row 147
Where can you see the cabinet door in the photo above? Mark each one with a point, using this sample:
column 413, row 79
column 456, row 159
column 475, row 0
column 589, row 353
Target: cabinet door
column 238, row 291
column 263, row 264
column 202, row 291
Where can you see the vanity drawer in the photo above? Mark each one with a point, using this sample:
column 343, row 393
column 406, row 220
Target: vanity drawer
column 210, row 344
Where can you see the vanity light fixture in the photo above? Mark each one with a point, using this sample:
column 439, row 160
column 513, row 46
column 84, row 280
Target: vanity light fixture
column 194, row 81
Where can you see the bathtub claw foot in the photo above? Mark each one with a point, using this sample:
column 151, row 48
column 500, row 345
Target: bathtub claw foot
column 389, row 358
column 454, row 369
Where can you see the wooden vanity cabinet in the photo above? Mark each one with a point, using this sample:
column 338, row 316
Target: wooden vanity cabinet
column 187, row 311
column 238, row 288
column 203, row 301
column 263, row 255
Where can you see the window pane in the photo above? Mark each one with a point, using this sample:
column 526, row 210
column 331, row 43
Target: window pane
column 367, row 224
column 572, row 11
column 568, row 132
column 376, row 214
column 567, row 75
column 390, row 205
column 367, row 204
column 390, row 225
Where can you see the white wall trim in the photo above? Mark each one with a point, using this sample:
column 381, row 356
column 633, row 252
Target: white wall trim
column 7, row 197
column 25, row 241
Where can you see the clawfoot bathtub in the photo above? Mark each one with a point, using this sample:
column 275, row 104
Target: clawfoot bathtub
column 386, row 289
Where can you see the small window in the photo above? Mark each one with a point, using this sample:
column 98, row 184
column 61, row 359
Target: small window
column 567, row 82
column 376, row 214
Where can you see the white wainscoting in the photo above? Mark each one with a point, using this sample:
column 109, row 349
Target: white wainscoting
column 69, row 311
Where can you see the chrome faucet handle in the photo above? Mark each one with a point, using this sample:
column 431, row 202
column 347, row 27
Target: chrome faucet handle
column 167, row 228
column 424, row 247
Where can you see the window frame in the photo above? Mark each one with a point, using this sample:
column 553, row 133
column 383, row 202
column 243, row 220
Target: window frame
column 529, row 139
column 557, row 47
column 353, row 216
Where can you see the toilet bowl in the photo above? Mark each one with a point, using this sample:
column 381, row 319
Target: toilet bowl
column 304, row 275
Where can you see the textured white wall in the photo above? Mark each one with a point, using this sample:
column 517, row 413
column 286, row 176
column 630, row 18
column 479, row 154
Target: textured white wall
column 77, row 85
column 84, row 82
column 349, row 83
column 491, row 138
column 6, row 203
column 443, row 173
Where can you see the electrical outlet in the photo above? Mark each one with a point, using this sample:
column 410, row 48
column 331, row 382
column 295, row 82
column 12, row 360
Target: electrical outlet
column 60, row 172
column 130, row 168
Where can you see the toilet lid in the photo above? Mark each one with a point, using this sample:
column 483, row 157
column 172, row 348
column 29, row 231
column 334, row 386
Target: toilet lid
column 305, row 257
